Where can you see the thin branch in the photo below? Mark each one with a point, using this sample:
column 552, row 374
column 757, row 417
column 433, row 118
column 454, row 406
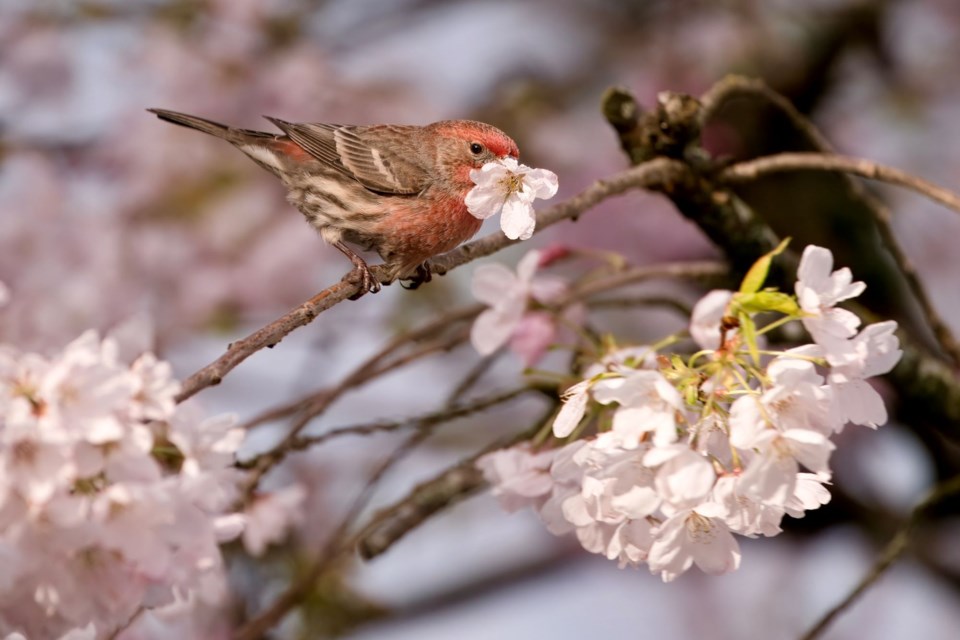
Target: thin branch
column 655, row 172
column 126, row 625
column 734, row 86
column 428, row 420
column 268, row 336
column 894, row 549
column 813, row 161
column 278, row 452
column 629, row 302
column 472, row 377
column 369, row 368
column 339, row 546
column 315, row 404
column 331, row 552
column 702, row 270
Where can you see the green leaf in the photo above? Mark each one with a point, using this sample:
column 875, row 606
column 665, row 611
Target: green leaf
column 769, row 300
column 778, row 301
column 749, row 332
column 758, row 272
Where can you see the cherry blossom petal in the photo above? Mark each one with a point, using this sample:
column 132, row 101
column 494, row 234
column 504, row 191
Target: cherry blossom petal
column 706, row 316
column 528, row 266
column 491, row 330
column 858, row 402
column 688, row 537
column 518, row 475
column 532, row 336
column 809, row 494
column 571, row 413
column 517, row 219
column 270, row 516
column 492, row 282
column 542, row 182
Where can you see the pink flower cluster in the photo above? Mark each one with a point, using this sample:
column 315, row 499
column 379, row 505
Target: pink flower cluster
column 110, row 494
column 688, row 453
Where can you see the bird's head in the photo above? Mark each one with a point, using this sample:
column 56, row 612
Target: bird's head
column 466, row 145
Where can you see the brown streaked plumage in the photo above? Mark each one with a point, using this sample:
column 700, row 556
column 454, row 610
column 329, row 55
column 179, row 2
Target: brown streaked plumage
column 395, row 189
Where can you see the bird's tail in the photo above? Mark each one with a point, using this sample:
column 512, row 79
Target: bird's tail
column 270, row 150
column 200, row 124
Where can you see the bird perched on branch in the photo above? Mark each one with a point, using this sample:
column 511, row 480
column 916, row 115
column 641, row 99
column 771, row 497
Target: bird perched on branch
column 395, row 189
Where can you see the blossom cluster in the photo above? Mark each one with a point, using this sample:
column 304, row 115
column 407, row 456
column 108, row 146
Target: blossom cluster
column 684, row 453
column 109, row 493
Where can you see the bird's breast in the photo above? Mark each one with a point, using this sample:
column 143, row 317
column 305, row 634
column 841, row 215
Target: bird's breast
column 426, row 225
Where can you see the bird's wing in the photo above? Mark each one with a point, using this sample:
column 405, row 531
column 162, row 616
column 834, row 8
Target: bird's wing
column 368, row 154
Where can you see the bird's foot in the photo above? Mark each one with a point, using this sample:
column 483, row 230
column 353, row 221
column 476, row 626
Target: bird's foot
column 363, row 276
column 361, row 273
column 420, row 276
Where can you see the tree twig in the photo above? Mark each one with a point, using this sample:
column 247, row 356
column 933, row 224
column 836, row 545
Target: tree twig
column 702, row 270
column 427, row 420
column 280, row 450
column 331, row 552
column 369, row 368
column 894, row 549
column 812, row 161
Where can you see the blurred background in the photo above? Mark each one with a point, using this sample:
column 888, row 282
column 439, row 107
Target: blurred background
column 108, row 214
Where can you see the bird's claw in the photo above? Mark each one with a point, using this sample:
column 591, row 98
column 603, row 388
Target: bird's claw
column 420, row 276
column 368, row 282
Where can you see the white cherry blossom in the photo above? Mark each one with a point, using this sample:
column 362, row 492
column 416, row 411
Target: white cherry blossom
column 631, row 541
column 819, row 289
column 706, row 316
column 809, row 494
column 520, row 476
column 693, row 536
column 506, row 186
column 647, row 403
column 743, row 514
column 683, row 477
column 874, row 351
column 571, row 412
column 270, row 515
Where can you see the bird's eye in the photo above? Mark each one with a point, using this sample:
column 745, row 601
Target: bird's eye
column 476, row 148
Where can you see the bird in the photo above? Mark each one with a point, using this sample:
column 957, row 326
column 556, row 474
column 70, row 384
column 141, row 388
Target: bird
column 397, row 190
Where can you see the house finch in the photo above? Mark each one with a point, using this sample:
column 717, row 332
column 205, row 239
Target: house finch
column 396, row 189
